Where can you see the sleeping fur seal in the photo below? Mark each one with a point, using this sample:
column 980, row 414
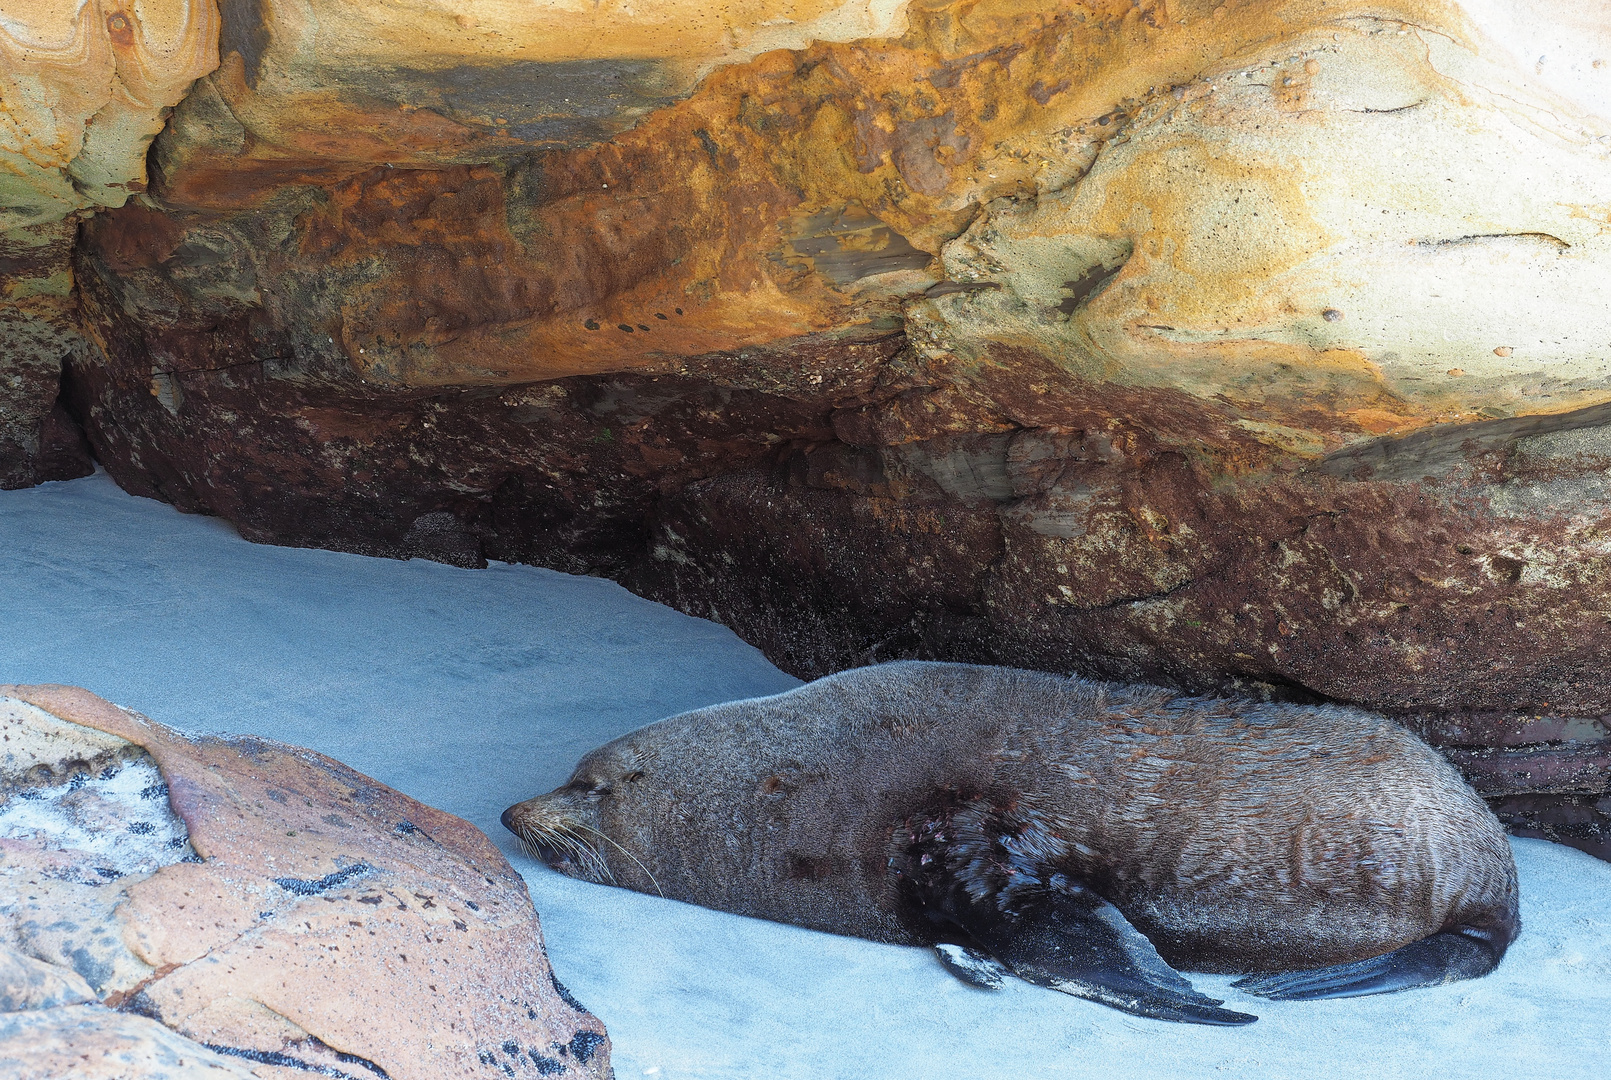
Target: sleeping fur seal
column 1085, row 836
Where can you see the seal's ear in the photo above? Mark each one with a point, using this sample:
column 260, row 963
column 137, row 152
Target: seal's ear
column 1074, row 941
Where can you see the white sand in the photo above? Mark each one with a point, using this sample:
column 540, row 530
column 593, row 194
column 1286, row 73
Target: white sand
column 473, row 689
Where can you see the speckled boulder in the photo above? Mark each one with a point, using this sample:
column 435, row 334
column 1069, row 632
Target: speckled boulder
column 272, row 911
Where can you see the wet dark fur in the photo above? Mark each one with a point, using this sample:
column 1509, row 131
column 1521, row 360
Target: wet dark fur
column 1238, row 836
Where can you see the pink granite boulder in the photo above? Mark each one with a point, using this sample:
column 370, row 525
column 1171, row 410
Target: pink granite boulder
column 275, row 909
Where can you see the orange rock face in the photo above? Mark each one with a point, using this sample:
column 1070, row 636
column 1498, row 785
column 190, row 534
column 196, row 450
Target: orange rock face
column 317, row 920
column 1024, row 153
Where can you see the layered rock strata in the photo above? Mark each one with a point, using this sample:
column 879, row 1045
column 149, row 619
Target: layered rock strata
column 186, row 908
column 1253, row 344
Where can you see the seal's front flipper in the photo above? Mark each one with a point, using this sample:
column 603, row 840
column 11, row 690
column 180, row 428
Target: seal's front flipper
column 972, row 966
column 983, row 869
column 1432, row 961
column 1072, row 940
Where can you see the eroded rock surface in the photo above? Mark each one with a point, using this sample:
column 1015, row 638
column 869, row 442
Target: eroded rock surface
column 39, row 333
column 84, row 89
column 1250, row 344
column 210, row 907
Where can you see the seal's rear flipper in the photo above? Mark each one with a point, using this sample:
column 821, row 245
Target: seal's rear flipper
column 1074, row 941
column 972, row 966
column 1447, row 957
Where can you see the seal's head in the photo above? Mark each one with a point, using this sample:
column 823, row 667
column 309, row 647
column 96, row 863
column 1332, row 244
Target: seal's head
column 565, row 829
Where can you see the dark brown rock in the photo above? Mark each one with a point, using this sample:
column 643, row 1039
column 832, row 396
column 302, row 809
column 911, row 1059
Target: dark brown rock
column 1580, row 821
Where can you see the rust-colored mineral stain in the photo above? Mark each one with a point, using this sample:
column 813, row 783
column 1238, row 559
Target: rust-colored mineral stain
column 1503, row 350
column 120, row 28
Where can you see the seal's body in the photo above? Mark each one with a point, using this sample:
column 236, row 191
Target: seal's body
column 1042, row 821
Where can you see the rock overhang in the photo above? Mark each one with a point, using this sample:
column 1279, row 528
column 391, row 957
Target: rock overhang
column 1366, row 213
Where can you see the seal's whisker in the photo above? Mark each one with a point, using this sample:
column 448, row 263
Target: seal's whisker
column 567, row 843
column 625, row 852
column 586, row 853
column 595, row 857
column 575, row 848
column 534, row 840
column 530, row 843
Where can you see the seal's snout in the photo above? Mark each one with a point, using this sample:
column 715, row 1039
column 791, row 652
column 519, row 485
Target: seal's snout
column 550, row 832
